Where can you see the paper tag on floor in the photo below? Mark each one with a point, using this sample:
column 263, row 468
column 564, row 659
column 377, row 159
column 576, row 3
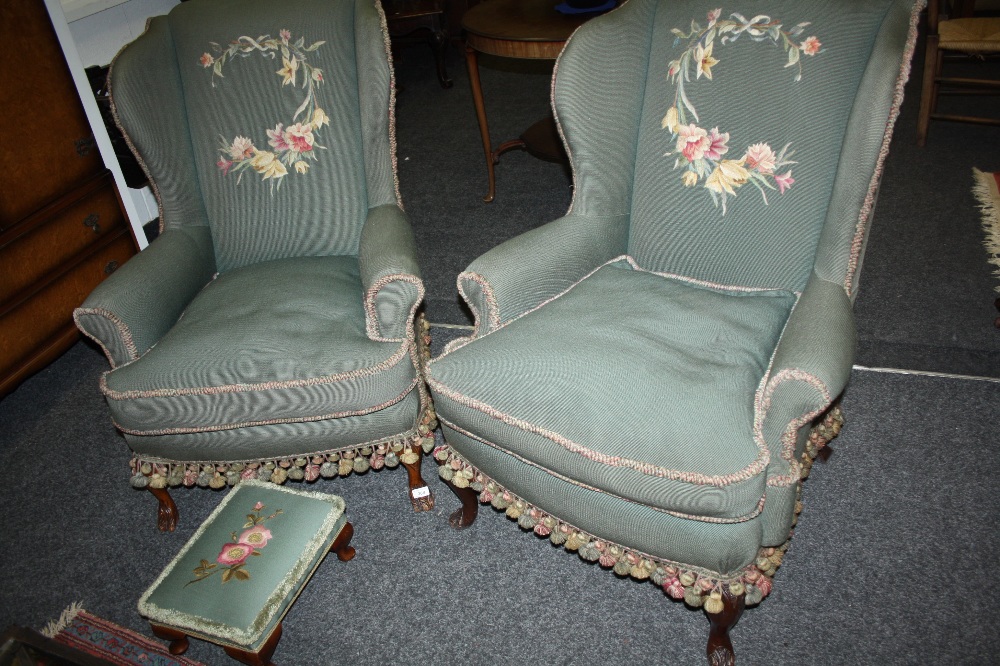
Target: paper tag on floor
column 422, row 491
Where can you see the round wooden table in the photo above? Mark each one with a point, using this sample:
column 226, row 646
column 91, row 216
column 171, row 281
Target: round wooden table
column 530, row 29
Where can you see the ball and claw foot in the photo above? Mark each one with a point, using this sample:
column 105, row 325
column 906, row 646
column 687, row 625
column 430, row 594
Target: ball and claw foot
column 720, row 647
column 465, row 515
column 166, row 516
column 459, row 519
column 423, row 503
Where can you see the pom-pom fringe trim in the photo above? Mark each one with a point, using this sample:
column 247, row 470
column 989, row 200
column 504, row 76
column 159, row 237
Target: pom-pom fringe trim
column 697, row 587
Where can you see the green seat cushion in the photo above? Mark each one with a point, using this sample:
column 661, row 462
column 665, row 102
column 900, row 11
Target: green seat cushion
column 278, row 342
column 633, row 383
column 234, row 580
column 724, row 547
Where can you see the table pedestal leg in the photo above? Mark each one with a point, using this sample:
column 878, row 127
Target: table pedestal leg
column 472, row 62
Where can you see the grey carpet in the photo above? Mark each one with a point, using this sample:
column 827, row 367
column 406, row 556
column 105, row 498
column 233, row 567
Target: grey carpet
column 889, row 565
column 892, row 555
column 927, row 291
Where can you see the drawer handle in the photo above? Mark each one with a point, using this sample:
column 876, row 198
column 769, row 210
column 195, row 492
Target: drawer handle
column 111, row 267
column 92, row 222
column 84, row 145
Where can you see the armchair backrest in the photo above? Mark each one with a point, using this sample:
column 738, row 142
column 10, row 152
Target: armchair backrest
column 268, row 121
column 745, row 144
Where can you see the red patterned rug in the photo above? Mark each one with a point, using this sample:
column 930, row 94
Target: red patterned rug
column 109, row 641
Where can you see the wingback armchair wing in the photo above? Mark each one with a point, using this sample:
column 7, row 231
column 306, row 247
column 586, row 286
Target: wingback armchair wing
column 651, row 375
column 270, row 330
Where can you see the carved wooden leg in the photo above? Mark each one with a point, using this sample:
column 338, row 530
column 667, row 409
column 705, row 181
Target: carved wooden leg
column 260, row 658
column 720, row 648
column 466, row 515
column 340, row 546
column 420, row 493
column 166, row 518
column 178, row 639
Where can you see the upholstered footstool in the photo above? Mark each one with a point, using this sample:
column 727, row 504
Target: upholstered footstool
column 235, row 579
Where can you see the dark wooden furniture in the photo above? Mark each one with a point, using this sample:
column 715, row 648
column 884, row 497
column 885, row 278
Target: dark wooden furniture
column 62, row 229
column 962, row 35
column 419, row 20
column 530, row 29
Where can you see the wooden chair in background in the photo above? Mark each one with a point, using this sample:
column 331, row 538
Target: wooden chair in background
column 961, row 33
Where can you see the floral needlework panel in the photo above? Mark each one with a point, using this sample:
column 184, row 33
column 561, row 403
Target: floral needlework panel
column 271, row 101
column 702, row 152
column 243, row 566
column 746, row 113
column 292, row 144
column 232, row 562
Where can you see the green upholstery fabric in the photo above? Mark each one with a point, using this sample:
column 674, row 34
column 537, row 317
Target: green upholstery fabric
column 389, row 272
column 293, row 532
column 662, row 401
column 717, row 547
column 554, row 257
column 274, row 315
column 754, row 98
column 538, row 389
column 254, row 218
column 284, row 440
column 137, row 304
column 281, row 340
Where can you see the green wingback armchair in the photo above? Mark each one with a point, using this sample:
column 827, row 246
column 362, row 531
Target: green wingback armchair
column 270, row 330
column 651, row 375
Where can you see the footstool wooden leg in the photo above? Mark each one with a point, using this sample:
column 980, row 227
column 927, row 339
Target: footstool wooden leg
column 263, row 656
column 178, row 639
column 340, row 546
column 420, row 493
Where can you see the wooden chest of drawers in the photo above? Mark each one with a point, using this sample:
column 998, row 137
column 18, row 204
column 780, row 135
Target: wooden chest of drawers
column 62, row 229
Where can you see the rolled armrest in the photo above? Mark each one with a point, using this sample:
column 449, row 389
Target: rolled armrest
column 132, row 309
column 810, row 369
column 526, row 270
column 390, row 277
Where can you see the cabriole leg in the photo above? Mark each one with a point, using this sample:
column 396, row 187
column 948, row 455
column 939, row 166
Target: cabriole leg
column 178, row 639
column 465, row 515
column 420, row 493
column 166, row 518
column 341, row 545
column 720, row 647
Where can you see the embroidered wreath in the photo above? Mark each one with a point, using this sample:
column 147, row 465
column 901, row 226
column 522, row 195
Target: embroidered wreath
column 700, row 151
column 292, row 145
